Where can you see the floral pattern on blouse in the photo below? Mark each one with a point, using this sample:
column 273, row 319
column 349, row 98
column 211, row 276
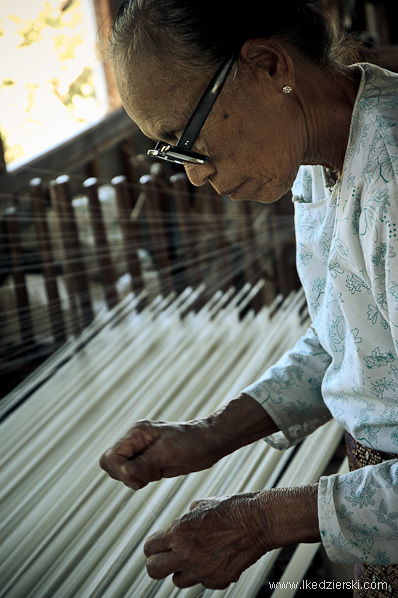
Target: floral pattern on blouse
column 346, row 366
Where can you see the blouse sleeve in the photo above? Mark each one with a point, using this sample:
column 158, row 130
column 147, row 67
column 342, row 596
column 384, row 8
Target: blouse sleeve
column 358, row 514
column 290, row 391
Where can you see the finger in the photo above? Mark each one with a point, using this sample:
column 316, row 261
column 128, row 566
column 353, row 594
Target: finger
column 112, row 463
column 185, row 579
column 139, row 438
column 118, row 468
column 161, row 565
column 138, row 472
column 212, row 584
column 157, row 542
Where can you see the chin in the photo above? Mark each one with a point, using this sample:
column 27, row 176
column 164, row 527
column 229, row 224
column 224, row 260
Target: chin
column 267, row 195
column 262, row 190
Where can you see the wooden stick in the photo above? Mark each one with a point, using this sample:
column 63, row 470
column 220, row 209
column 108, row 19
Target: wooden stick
column 71, row 531
column 72, row 258
column 105, row 264
column 21, row 292
column 49, row 270
column 130, row 232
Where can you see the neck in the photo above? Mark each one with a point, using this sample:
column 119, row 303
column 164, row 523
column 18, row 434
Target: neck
column 327, row 102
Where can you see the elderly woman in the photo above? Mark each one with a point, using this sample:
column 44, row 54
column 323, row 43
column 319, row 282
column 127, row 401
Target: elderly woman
column 256, row 102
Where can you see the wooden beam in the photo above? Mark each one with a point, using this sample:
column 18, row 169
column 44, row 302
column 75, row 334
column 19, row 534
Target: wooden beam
column 71, row 153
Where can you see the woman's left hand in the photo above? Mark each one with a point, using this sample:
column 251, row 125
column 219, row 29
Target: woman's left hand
column 220, row 537
column 212, row 544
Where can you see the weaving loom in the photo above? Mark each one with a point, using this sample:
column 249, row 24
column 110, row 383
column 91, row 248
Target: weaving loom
column 170, row 351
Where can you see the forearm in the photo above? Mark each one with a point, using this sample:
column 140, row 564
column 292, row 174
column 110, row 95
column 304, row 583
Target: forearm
column 222, row 536
column 285, row 516
column 276, row 517
column 236, row 424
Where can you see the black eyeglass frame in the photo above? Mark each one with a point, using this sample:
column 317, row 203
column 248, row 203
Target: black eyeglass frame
column 181, row 152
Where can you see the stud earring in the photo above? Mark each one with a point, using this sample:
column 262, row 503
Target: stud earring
column 286, row 89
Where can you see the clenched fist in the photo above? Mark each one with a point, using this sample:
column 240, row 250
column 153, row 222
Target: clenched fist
column 154, row 450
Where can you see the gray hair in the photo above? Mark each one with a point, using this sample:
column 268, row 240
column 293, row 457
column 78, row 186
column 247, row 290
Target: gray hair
column 193, row 34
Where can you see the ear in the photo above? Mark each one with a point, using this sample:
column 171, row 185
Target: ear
column 269, row 58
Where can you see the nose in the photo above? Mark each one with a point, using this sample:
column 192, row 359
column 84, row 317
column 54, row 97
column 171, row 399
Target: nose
column 199, row 174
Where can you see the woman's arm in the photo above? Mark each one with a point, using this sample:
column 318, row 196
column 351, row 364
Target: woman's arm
column 221, row 537
column 154, row 450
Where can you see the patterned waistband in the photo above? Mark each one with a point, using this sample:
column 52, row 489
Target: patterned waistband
column 360, row 455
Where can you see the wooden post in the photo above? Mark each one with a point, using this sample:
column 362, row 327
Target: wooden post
column 129, row 231
column 212, row 244
column 3, row 166
column 21, row 291
column 105, row 264
column 154, row 210
column 73, row 264
column 184, row 214
column 49, row 270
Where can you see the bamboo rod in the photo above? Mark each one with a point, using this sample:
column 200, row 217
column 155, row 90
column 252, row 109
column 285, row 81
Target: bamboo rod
column 72, row 532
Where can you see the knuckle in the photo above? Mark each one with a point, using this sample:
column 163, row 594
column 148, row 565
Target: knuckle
column 183, row 581
column 148, row 546
column 194, row 504
column 105, row 463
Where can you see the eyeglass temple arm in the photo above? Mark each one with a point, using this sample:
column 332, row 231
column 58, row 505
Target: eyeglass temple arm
column 197, row 119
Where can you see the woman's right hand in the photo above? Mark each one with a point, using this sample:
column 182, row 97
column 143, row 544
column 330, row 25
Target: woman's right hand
column 154, row 450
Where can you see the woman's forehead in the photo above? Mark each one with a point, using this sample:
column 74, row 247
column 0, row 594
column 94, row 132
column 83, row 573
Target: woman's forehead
column 156, row 97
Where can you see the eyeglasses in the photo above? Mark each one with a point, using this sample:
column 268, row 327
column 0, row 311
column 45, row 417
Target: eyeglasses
column 181, row 152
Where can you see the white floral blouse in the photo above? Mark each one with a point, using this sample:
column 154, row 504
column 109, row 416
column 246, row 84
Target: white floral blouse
column 346, row 366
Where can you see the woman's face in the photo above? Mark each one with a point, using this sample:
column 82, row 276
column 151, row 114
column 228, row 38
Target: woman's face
column 254, row 135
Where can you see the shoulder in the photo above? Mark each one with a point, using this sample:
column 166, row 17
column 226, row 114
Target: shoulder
column 377, row 100
column 372, row 153
column 379, row 88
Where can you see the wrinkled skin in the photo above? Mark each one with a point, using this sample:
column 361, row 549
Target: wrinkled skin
column 219, row 537
column 154, row 450
column 256, row 136
column 210, row 545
